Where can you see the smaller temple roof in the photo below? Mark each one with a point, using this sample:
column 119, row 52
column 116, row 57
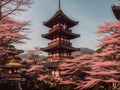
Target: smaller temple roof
column 13, row 63
column 116, row 11
column 69, row 35
column 58, row 17
column 59, row 46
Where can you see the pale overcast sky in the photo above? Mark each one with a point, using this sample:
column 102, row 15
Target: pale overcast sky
column 90, row 14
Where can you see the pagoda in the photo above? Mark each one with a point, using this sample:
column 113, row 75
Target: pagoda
column 60, row 35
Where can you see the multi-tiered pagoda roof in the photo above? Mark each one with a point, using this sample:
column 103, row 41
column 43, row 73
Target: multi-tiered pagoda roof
column 60, row 35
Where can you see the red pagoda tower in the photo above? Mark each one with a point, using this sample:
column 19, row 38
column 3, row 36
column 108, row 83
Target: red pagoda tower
column 60, row 35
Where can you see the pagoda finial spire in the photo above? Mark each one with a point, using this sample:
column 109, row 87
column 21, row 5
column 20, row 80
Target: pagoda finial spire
column 59, row 6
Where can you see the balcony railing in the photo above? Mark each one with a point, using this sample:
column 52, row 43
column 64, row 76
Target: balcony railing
column 58, row 56
column 58, row 27
column 60, row 42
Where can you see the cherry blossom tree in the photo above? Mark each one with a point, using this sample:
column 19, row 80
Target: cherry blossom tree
column 110, row 43
column 8, row 7
column 34, row 54
column 85, row 72
column 10, row 30
column 38, row 75
column 104, row 66
column 11, row 33
column 101, row 74
column 70, row 71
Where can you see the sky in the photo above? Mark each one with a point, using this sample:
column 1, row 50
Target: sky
column 90, row 14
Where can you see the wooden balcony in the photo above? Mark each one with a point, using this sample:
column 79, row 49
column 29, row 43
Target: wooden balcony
column 52, row 57
column 60, row 28
column 60, row 42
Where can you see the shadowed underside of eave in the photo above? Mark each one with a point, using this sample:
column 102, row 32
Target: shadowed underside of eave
column 59, row 46
column 60, row 17
column 116, row 11
column 68, row 35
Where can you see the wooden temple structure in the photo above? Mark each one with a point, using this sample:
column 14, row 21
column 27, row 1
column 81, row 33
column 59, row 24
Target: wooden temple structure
column 9, row 71
column 60, row 34
column 11, row 75
column 116, row 11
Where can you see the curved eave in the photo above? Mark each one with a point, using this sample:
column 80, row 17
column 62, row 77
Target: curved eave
column 12, row 66
column 116, row 11
column 55, row 32
column 60, row 16
column 56, row 46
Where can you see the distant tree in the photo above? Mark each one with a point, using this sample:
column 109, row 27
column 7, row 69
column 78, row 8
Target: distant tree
column 34, row 54
column 8, row 7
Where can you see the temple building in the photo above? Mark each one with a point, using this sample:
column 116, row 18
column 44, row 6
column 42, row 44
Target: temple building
column 10, row 75
column 60, row 36
column 116, row 11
